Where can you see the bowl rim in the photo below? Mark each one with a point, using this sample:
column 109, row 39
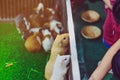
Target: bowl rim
column 90, row 21
column 87, row 37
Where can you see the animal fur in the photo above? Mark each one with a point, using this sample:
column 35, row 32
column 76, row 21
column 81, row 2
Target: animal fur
column 61, row 47
column 60, row 67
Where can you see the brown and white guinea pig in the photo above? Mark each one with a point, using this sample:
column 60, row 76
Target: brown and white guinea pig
column 51, row 14
column 46, row 13
column 27, row 27
column 23, row 26
column 36, row 20
column 47, row 39
column 41, row 36
column 22, row 23
column 55, row 27
column 25, row 23
column 61, row 47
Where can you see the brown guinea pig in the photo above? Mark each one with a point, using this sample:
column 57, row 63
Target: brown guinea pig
column 33, row 43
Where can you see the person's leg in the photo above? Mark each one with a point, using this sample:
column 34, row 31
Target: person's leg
column 116, row 65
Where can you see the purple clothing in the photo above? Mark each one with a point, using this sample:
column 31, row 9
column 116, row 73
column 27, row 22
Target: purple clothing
column 111, row 30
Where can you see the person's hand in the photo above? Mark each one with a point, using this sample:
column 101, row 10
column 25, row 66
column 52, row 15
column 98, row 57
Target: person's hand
column 111, row 7
column 107, row 4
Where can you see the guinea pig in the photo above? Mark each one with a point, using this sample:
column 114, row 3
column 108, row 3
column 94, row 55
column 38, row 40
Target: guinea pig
column 47, row 39
column 22, row 23
column 55, row 27
column 60, row 67
column 60, row 47
column 33, row 43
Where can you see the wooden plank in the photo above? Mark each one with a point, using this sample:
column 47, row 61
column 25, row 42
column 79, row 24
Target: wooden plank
column 11, row 8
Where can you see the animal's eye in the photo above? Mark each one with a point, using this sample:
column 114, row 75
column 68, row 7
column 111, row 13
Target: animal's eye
column 64, row 38
column 65, row 59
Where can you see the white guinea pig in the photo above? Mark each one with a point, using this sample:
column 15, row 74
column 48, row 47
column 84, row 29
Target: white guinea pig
column 60, row 67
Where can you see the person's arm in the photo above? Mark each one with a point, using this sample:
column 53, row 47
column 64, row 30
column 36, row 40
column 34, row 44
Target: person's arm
column 105, row 64
column 107, row 3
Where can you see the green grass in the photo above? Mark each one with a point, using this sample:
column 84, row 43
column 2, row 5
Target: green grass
column 26, row 65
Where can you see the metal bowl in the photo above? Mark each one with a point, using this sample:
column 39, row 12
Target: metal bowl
column 90, row 16
column 90, row 32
